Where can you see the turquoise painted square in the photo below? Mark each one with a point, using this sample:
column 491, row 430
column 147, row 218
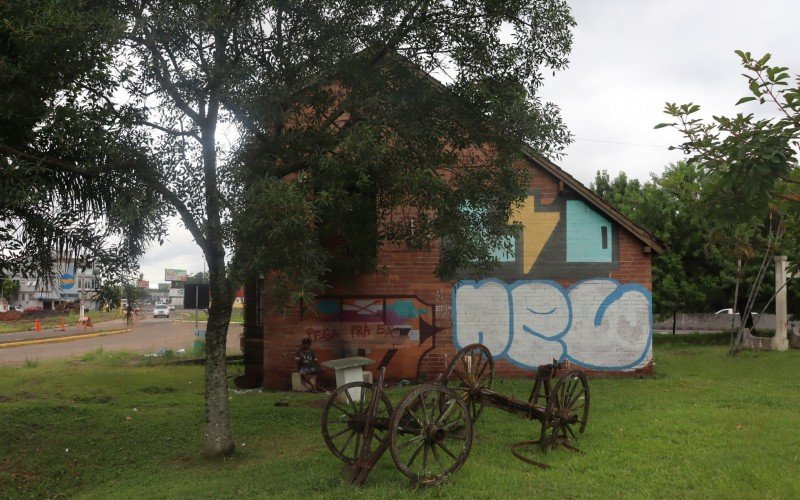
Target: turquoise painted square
column 501, row 254
column 588, row 234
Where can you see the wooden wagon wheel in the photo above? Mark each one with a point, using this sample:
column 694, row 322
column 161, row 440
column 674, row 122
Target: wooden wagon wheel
column 471, row 370
column 344, row 417
column 567, row 408
column 430, row 433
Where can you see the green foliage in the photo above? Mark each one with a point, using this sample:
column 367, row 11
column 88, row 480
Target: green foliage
column 699, row 269
column 67, row 161
column 8, row 288
column 749, row 163
column 667, row 206
column 745, row 157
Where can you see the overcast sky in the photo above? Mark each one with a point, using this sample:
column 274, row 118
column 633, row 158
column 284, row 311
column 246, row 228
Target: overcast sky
column 628, row 58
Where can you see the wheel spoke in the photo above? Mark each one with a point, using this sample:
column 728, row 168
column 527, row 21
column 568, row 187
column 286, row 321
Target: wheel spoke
column 460, row 377
column 421, row 399
column 447, row 450
column 437, row 458
column 425, row 460
column 347, row 441
column 415, row 454
column 350, row 398
column 358, row 445
column 361, row 400
column 458, row 437
column 340, row 433
column 349, row 415
column 479, row 377
column 408, row 442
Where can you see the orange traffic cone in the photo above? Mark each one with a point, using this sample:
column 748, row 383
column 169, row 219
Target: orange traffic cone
column 38, row 325
column 63, row 328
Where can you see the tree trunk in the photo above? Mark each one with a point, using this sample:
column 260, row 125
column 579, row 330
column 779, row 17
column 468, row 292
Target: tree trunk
column 218, row 439
column 674, row 315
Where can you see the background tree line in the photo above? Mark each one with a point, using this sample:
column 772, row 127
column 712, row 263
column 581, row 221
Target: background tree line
column 705, row 253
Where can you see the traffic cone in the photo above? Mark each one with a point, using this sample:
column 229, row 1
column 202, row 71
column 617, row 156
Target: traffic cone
column 63, row 328
column 38, row 325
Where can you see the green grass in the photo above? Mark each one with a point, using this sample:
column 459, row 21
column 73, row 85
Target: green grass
column 706, row 425
column 237, row 315
column 70, row 320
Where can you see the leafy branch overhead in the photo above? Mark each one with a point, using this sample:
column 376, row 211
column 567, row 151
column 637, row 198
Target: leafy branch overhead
column 747, row 157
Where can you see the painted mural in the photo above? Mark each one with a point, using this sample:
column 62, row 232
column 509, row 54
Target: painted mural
column 566, row 239
column 400, row 319
column 599, row 324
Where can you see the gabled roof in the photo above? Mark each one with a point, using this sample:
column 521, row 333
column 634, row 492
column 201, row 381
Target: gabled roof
column 642, row 234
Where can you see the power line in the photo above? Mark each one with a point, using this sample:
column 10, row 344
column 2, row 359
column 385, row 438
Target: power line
column 623, row 143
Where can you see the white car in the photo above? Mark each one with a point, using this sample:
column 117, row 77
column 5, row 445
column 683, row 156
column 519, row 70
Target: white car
column 161, row 310
column 729, row 310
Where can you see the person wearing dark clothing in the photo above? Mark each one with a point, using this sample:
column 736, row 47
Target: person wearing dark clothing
column 307, row 363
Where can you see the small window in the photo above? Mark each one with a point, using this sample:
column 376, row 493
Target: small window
column 604, row 237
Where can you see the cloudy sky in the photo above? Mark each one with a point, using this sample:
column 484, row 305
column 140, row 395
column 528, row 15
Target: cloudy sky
column 628, row 58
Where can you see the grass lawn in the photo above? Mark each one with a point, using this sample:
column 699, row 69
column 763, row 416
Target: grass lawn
column 53, row 322
column 706, row 425
column 237, row 315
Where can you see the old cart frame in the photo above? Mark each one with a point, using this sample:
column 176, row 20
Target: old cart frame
column 429, row 433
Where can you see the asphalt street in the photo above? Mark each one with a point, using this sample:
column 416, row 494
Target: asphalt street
column 148, row 335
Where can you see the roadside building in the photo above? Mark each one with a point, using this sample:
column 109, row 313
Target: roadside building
column 577, row 288
column 69, row 285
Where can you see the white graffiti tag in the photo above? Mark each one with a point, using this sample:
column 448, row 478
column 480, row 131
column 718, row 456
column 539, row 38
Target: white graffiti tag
column 599, row 324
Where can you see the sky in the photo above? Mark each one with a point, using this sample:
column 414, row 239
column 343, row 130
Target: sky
column 628, row 58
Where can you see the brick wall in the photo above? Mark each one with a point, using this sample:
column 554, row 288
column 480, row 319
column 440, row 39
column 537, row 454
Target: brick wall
column 556, row 304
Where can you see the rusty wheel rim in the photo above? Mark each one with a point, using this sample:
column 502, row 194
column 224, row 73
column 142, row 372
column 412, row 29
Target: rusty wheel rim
column 344, row 416
column 430, row 434
column 567, row 410
column 471, row 370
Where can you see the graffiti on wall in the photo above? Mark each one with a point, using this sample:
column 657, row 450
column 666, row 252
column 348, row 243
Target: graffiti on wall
column 565, row 239
column 599, row 324
column 398, row 317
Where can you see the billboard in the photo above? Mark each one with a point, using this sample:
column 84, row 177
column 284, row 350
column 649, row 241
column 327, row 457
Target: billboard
column 175, row 275
column 142, row 284
column 163, row 287
column 196, row 296
column 67, row 281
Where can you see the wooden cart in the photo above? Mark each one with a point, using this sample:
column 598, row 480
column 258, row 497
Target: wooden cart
column 429, row 434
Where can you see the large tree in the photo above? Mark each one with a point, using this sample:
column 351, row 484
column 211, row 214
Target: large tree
column 54, row 122
column 285, row 134
column 750, row 163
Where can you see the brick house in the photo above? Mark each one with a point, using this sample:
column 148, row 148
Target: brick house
column 577, row 288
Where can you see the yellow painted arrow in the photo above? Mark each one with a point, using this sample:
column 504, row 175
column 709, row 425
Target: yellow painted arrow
column 537, row 228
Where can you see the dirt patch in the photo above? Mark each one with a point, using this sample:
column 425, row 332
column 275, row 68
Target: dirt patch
column 6, row 399
column 26, row 395
column 184, row 459
column 316, row 403
column 98, row 399
column 151, row 389
column 10, row 316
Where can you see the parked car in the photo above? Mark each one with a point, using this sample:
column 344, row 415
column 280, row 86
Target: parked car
column 729, row 310
column 161, row 310
column 17, row 308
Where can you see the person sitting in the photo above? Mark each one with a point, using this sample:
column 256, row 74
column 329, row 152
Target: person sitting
column 307, row 364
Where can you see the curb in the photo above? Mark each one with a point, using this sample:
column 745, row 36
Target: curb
column 65, row 338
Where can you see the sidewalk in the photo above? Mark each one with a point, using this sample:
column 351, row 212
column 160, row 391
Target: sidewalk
column 71, row 330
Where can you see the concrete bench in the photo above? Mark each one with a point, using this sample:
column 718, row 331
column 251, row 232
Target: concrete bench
column 350, row 370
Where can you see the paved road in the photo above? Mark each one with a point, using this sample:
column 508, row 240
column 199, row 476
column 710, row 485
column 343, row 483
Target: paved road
column 148, row 335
